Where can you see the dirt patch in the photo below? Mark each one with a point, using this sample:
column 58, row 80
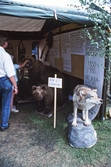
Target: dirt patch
column 25, row 144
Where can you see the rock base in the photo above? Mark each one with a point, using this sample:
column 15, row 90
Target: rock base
column 81, row 136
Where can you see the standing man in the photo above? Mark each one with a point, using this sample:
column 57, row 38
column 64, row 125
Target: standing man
column 7, row 80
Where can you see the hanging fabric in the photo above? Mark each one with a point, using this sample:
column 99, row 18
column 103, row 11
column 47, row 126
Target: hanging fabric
column 21, row 51
column 47, row 46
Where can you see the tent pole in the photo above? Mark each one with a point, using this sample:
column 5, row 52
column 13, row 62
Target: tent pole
column 105, row 85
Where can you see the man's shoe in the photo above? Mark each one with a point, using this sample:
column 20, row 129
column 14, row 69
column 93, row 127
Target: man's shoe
column 2, row 129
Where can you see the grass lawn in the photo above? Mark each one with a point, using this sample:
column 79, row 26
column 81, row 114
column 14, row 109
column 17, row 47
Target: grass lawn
column 99, row 155
column 31, row 141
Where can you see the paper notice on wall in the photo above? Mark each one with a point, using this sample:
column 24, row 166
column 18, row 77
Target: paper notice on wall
column 65, row 50
column 94, row 72
column 71, row 43
column 77, row 43
column 65, row 46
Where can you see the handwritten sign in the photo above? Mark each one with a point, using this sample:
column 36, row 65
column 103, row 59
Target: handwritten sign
column 94, row 71
column 55, row 82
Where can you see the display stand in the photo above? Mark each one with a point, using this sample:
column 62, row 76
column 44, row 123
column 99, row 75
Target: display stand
column 81, row 136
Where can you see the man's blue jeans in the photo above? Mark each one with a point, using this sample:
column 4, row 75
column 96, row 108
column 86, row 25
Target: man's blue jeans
column 6, row 92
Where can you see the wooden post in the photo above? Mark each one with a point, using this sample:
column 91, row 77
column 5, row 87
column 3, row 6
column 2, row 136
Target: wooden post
column 55, row 101
column 55, row 83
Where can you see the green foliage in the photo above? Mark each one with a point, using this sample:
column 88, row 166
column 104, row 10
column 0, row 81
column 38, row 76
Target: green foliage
column 101, row 23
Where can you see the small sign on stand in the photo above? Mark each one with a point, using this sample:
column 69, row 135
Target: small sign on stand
column 55, row 83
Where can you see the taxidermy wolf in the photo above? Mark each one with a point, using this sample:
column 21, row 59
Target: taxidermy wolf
column 84, row 99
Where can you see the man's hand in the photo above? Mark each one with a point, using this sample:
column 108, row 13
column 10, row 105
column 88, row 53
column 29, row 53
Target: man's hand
column 15, row 90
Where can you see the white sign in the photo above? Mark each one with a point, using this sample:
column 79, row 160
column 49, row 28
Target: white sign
column 71, row 43
column 94, row 72
column 77, row 44
column 55, row 82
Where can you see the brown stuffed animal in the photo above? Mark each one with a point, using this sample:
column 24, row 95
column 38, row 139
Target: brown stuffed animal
column 44, row 96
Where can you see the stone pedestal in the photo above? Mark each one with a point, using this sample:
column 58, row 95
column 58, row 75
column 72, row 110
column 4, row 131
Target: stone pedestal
column 81, row 136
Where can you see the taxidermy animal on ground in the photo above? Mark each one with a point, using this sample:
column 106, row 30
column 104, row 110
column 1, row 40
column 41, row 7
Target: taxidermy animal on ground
column 44, row 96
column 84, row 99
